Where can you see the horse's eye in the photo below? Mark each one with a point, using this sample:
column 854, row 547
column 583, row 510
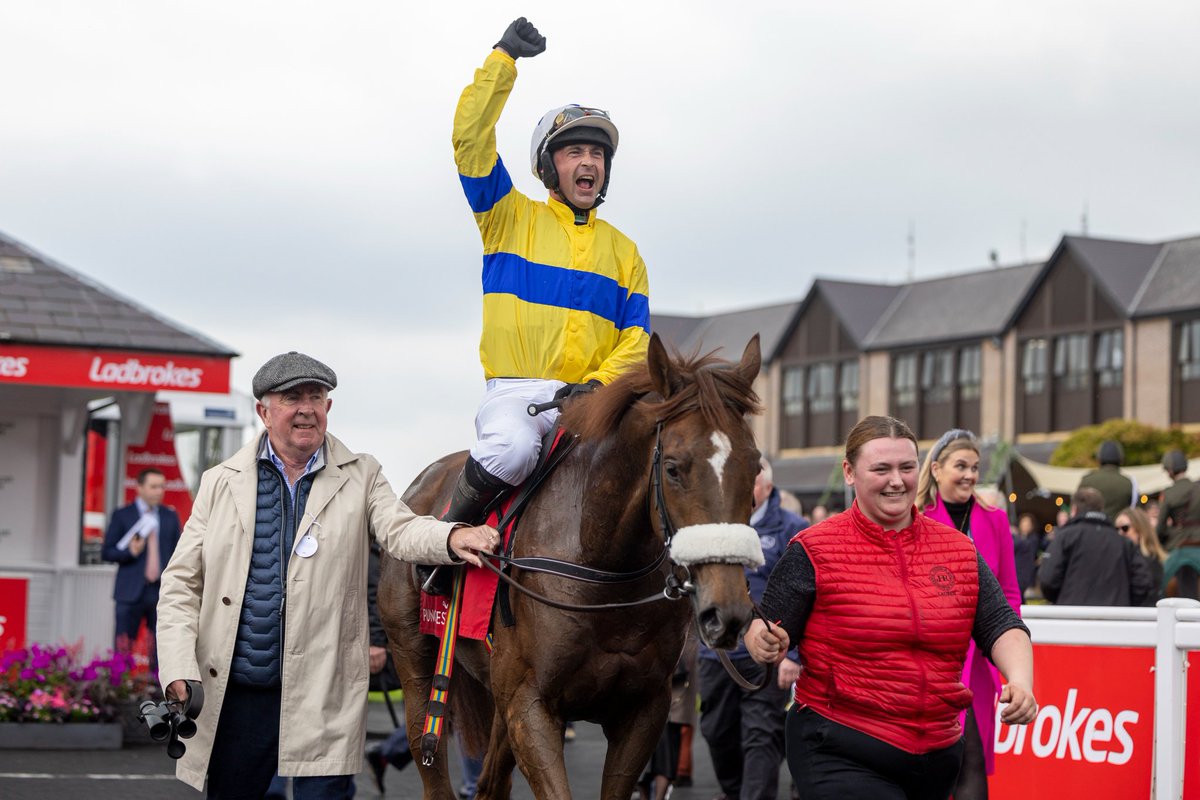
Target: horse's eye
column 672, row 470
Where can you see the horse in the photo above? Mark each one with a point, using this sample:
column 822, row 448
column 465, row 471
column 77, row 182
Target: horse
column 664, row 447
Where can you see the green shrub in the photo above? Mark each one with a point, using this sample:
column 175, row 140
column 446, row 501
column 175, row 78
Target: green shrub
column 1144, row 444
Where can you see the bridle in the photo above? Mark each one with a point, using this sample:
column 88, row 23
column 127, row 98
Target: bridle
column 676, row 586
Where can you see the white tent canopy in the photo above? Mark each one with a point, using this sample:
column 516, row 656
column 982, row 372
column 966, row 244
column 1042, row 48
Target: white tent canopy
column 1150, row 478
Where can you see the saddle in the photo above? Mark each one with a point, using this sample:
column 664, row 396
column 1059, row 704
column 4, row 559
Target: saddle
column 480, row 585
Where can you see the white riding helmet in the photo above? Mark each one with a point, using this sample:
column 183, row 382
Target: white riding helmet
column 569, row 125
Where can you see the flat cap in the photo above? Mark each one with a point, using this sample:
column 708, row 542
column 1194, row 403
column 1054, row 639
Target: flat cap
column 291, row 369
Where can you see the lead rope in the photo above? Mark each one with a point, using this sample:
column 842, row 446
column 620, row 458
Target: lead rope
column 435, row 713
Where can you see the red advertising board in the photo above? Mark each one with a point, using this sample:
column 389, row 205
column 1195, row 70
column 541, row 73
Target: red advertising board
column 158, row 452
column 1191, row 733
column 119, row 370
column 14, row 607
column 1094, row 731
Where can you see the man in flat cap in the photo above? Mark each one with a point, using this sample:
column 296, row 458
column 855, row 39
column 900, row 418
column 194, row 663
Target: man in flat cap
column 264, row 602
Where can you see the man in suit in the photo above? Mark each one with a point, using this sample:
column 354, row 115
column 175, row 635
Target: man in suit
column 141, row 538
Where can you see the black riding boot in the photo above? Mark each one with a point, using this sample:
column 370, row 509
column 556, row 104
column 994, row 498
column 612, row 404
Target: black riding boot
column 474, row 492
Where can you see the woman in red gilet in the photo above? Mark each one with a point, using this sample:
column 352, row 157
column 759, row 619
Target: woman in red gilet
column 883, row 603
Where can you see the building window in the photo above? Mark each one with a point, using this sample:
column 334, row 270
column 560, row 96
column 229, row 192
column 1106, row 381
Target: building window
column 1033, row 366
column 1110, row 358
column 904, row 380
column 970, row 374
column 937, row 376
column 1071, row 362
column 793, row 391
column 1189, row 350
column 848, row 386
column 820, row 388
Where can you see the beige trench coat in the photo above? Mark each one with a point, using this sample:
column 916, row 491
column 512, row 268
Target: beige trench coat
column 322, row 724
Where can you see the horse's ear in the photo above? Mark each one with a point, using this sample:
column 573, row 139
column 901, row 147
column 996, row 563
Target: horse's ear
column 751, row 360
column 662, row 372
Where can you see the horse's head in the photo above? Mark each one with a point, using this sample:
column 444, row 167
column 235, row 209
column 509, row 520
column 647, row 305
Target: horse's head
column 707, row 462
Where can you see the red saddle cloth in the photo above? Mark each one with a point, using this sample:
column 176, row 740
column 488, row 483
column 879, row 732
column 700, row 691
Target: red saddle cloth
column 479, row 593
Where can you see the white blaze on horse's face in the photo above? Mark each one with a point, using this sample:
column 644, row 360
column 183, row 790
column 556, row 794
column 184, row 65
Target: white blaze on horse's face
column 723, row 448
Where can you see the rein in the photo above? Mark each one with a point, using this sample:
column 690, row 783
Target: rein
column 675, row 589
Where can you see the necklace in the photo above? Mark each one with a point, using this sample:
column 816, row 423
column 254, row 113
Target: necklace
column 964, row 524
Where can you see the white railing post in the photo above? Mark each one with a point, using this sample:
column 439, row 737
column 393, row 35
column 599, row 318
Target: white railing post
column 1170, row 702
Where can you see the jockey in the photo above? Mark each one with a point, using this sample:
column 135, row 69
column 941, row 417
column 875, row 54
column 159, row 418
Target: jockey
column 565, row 295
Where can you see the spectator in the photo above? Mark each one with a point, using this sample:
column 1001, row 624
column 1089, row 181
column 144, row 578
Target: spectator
column 1118, row 490
column 947, row 492
column 884, row 602
column 819, row 514
column 1089, row 563
column 1026, row 544
column 661, row 772
column 1134, row 525
column 141, row 538
column 394, row 749
column 744, row 730
column 1179, row 527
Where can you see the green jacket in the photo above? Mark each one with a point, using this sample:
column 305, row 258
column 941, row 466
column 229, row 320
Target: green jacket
column 1179, row 514
column 1115, row 487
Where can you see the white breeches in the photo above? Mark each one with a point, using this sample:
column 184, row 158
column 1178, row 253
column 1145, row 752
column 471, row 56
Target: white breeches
column 508, row 440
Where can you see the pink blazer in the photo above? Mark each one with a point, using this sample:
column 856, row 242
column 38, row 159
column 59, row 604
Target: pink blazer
column 994, row 541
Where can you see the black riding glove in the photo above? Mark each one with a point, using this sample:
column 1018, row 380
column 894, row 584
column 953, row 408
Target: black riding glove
column 572, row 389
column 522, row 39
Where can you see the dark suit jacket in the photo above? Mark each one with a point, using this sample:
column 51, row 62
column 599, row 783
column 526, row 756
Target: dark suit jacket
column 131, row 576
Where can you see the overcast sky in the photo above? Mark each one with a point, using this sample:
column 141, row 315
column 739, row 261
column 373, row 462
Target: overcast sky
column 279, row 175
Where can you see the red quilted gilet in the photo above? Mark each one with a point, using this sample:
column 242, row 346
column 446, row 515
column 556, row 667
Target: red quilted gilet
column 883, row 649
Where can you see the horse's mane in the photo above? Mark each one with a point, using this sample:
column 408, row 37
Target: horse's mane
column 710, row 385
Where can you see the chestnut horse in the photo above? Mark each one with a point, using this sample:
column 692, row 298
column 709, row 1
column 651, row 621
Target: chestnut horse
column 599, row 508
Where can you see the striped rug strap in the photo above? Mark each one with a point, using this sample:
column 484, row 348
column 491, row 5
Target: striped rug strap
column 439, row 691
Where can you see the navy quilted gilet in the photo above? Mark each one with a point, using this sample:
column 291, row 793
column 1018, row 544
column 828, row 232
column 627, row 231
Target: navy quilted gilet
column 257, row 651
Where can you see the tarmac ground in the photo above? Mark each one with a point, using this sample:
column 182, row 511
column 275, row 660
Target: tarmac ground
column 145, row 772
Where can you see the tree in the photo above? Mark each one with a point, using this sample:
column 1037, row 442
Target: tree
column 1143, row 444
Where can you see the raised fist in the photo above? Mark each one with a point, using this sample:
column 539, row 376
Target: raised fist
column 522, row 39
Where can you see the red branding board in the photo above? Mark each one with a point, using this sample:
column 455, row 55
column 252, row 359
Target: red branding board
column 1094, row 732
column 159, row 453
column 119, row 370
column 1191, row 734
column 14, row 608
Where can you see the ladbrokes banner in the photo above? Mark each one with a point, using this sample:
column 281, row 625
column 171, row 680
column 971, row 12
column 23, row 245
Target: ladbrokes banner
column 120, row 370
column 1094, row 732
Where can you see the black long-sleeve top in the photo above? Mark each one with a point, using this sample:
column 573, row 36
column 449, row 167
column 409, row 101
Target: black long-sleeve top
column 792, row 589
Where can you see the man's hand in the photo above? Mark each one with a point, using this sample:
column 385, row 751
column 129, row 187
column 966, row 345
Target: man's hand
column 466, row 542
column 522, row 40
column 376, row 658
column 136, row 545
column 177, row 690
column 789, row 672
column 569, row 390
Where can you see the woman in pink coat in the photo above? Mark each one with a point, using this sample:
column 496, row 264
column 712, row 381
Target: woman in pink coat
column 946, row 492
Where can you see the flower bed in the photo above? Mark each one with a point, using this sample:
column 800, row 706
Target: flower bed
column 43, row 684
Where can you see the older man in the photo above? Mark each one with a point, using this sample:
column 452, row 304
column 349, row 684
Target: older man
column 265, row 599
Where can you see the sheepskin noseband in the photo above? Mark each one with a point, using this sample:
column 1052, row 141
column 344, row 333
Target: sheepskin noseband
column 717, row 543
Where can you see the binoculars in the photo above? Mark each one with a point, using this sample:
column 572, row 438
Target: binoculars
column 172, row 720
